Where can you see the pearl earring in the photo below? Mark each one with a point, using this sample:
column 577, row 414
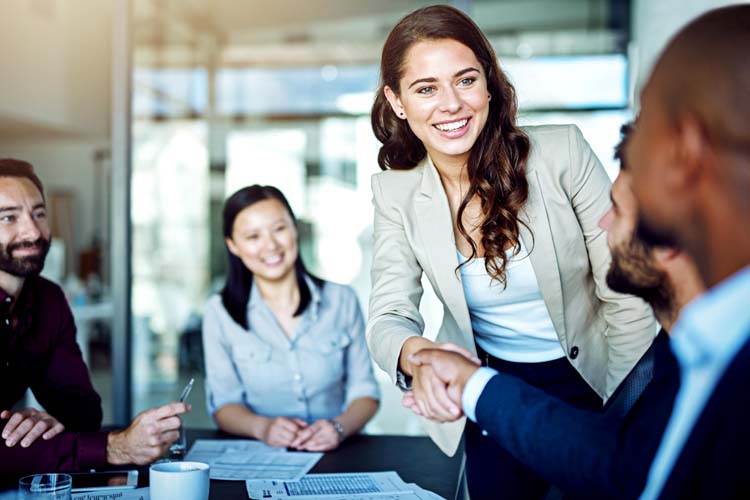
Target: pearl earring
column 489, row 97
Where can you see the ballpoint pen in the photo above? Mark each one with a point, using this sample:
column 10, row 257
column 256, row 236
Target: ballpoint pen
column 186, row 390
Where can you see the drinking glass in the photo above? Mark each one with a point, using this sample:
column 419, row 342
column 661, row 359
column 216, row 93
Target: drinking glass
column 45, row 487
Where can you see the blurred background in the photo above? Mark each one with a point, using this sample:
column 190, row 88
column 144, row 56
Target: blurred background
column 142, row 116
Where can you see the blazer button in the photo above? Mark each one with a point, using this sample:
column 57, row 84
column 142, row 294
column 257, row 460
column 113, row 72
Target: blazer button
column 574, row 352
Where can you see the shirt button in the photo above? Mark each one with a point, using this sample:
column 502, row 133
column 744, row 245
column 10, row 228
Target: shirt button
column 297, row 376
column 485, row 433
column 8, row 300
column 7, row 321
column 574, row 352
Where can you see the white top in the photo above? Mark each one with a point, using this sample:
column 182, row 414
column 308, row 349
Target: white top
column 510, row 323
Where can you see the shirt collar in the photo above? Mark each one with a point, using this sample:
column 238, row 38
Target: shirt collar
column 25, row 299
column 315, row 297
column 713, row 327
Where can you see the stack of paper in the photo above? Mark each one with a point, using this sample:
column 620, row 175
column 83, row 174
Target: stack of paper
column 243, row 459
column 130, row 494
column 352, row 486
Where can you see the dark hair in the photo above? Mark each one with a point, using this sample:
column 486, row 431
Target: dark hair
column 625, row 131
column 496, row 166
column 236, row 292
column 10, row 167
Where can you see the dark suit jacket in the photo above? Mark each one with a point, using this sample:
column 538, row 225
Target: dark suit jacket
column 586, row 454
column 715, row 462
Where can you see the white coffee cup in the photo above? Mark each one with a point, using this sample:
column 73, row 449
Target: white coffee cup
column 183, row 480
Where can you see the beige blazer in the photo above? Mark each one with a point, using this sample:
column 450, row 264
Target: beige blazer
column 568, row 194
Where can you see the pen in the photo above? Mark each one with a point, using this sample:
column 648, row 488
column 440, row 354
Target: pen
column 186, row 390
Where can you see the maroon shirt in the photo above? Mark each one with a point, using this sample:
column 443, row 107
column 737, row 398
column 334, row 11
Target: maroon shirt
column 38, row 350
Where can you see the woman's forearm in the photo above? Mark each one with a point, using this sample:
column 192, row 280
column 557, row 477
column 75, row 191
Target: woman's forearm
column 359, row 412
column 237, row 419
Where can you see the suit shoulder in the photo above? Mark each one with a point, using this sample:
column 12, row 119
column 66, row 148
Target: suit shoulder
column 552, row 146
column 391, row 176
column 398, row 186
column 551, row 134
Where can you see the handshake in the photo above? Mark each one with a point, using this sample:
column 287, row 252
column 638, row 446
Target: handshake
column 439, row 374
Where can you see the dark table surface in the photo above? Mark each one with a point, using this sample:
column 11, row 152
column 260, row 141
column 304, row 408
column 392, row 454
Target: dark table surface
column 415, row 459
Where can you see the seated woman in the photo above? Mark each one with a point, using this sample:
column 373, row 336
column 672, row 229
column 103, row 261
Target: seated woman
column 286, row 358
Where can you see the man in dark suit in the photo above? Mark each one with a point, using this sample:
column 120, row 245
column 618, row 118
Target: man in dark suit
column 690, row 159
column 590, row 454
column 690, row 170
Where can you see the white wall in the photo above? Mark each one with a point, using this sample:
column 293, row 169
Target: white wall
column 655, row 22
column 55, row 102
column 55, row 64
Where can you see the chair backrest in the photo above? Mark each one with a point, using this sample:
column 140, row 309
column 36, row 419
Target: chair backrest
column 631, row 388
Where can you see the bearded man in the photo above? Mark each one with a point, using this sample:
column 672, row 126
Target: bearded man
column 38, row 348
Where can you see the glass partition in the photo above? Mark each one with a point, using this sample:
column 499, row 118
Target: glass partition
column 207, row 123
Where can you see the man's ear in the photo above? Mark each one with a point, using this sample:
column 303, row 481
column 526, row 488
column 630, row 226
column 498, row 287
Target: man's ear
column 691, row 149
column 663, row 255
column 231, row 246
column 395, row 101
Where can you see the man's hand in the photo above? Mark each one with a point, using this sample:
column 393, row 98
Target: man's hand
column 282, row 431
column 452, row 369
column 27, row 425
column 148, row 437
column 429, row 397
column 321, row 435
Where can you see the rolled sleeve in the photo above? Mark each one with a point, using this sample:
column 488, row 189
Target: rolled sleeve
column 360, row 379
column 473, row 390
column 223, row 384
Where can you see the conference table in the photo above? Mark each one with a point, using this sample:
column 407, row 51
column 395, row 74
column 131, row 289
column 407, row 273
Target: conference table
column 415, row 459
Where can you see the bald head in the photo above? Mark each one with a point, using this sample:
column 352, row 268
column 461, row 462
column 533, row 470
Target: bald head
column 705, row 72
column 689, row 156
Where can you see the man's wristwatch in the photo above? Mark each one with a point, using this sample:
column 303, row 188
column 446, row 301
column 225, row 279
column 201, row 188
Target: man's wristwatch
column 339, row 428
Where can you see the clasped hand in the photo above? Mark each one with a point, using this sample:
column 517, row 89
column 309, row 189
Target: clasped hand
column 439, row 375
column 295, row 433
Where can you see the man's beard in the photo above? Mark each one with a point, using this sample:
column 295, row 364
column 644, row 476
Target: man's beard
column 633, row 271
column 650, row 236
column 28, row 265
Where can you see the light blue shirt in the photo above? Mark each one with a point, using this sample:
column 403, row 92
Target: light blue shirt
column 313, row 375
column 706, row 338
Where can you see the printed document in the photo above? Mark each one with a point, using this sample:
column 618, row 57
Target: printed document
column 347, row 486
column 131, row 494
column 243, row 459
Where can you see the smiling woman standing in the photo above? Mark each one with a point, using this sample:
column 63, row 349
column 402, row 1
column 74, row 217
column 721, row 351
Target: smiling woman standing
column 286, row 358
column 503, row 223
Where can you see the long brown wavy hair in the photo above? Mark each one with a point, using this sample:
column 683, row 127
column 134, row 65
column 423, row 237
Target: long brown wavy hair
column 496, row 165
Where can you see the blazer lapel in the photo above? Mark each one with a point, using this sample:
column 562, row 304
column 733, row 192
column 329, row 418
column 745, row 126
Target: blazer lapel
column 543, row 256
column 436, row 232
